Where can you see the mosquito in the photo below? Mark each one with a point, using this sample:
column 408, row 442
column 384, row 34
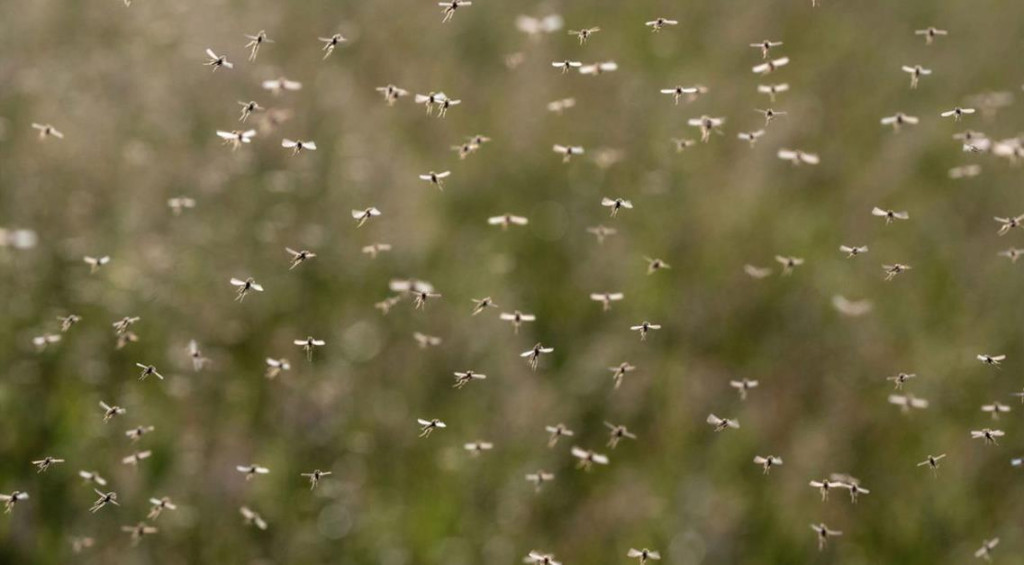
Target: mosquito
column 308, row 345
column 557, row 431
column 534, row 354
column 463, row 379
column 427, row 426
column 121, row 326
column 67, row 321
column 315, row 476
column 245, row 287
column 588, row 458
column 96, row 262
column 104, row 499
column 933, row 463
column 430, row 100
column 330, row 43
column 217, row 61
column 767, row 462
column 991, row 359
column 249, row 108
column 620, row 371
column 255, row 41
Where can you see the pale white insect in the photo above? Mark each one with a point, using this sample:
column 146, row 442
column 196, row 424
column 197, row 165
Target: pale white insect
column 907, row 402
column 620, row 371
column 560, row 106
column 853, row 250
column 643, row 328
column 539, row 558
column 915, row 72
column 852, row 308
column 826, row 485
column 891, row 271
column 606, row 298
column 567, row 151
column 92, row 477
column 41, row 341
column 658, row 23
column 430, row 100
column 682, row 144
column 436, row 178
column 988, row 435
column 280, row 84
column 1007, row 224
column 789, row 263
column 756, row 272
column 766, row 46
column 617, row 433
column 533, row 355
column 798, row 157
column 539, row 478
column 481, row 304
column 899, row 378
column 67, row 321
column 298, row 145
column 898, row 120
column 957, row 112
column 46, row 130
column 985, row 551
column 965, row 171
column 104, row 499
column 420, row 297
column 464, row 378
column 721, row 424
column 392, row 93
column 584, row 34
column 96, row 262
column 245, row 287
column 298, row 257
column 375, row 249
column 822, row 530
column 180, row 203
column 678, row 92
column 534, row 26
column 111, row 411
column 770, row 66
column 616, row 204
column 995, row 409
column 599, row 68
column 121, row 326
column 654, row 265
column 744, row 386
column 773, row 89
column 643, row 555
column 255, row 42
column 236, row 138
column 135, row 457
column 217, row 61
column 444, row 105
column 930, row 33
column 276, row 366
column 506, row 220
column 933, row 463
column 767, row 462
column 252, row 518
column 330, row 43
column 360, row 216
column 855, row 489
column 557, row 431
column 251, row 471
column 566, row 65
column 46, row 462
column 751, row 137
column 308, row 345
column 427, row 426
column 707, row 125
column 425, row 341
column 147, row 371
column 477, row 447
column 450, row 6
column 136, row 433
column 588, row 458
column 601, row 232
column 769, row 114
column 11, row 500
column 315, row 476
column 138, row 531
column 517, row 318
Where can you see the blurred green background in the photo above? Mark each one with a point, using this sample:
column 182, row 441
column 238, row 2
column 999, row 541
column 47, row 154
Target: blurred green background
column 139, row 111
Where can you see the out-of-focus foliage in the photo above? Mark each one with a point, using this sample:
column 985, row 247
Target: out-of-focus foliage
column 139, row 111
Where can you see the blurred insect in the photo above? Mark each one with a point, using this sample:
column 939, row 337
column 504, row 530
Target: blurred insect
column 930, row 34
column 427, row 426
column 617, row 433
column 744, row 386
column 721, row 424
column 315, row 476
column 824, row 533
column 517, row 318
column 392, row 93
column 991, row 359
column 425, row 341
column 566, row 65
column 535, row 26
column 236, row 138
column 933, row 463
column 330, row 43
column 584, row 34
column 111, row 411
column 217, row 61
column 616, row 204
column 767, row 462
column 957, row 112
column 362, row 215
column 96, row 262
column 915, row 72
column 477, row 447
column 789, row 263
column 276, row 366
column 298, row 145
column 907, row 402
column 539, row 478
column 276, row 85
column 134, row 458
column 895, row 269
column 851, row 484
column 599, row 68
column 251, row 471
column 643, row 555
column 46, row 130
column 995, row 409
column 772, row 89
column 249, row 108
column 658, row 23
column 308, row 345
column 757, row 272
column 853, row 250
column 67, row 321
column 375, row 249
column 179, row 203
column 136, row 433
column 126, row 338
column 985, row 551
column 158, row 506
column 450, row 6
column 252, row 519
column 898, row 120
column 245, row 287
column 770, row 66
column 601, row 232
column 104, row 499
column 643, row 328
column 798, row 157
column 678, row 92
column 148, row 370
column 765, row 47
column 198, row 361
column 138, row 531
column 1007, row 224
column 682, row 144
column 965, row 171
column 463, row 379
column 298, row 257
column 79, row 544
column 852, row 308
column 619, row 372
column 825, row 485
column 45, row 463
column 255, row 41
column 588, row 458
column 465, row 150
column 557, row 431
column 430, row 100
column 900, row 378
column 707, row 125
column 92, row 477
column 751, row 137
column 769, row 114
column 540, row 558
column 507, row 220
column 533, row 355
column 606, row 299
column 41, row 341
column 436, row 178
column 654, row 265
column 988, row 435
column 420, row 297
column 567, row 151
column 479, row 305
column 11, row 500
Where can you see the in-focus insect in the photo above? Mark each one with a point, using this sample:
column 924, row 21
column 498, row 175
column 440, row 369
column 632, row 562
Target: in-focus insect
column 147, row 371
column 765, row 47
column 769, row 114
column 616, row 204
column 533, row 355
column 45, row 463
column 767, row 462
column 898, row 120
column 255, row 41
column 988, row 435
column 957, row 112
column 479, row 305
column 436, row 178
column 427, row 426
column 245, row 287
column 236, row 138
column 450, row 6
column 825, row 485
column 463, row 379
column 707, row 125
column 217, row 61
column 853, row 250
column 933, row 463
column 566, row 65
column 678, row 92
column 895, row 269
column 1007, row 224
column 507, row 220
column 584, row 34
column 298, row 257
column 315, row 476
column 588, row 458
column 308, row 345
column 915, row 72
column 111, row 411
column 330, row 43
column 991, row 359
column 104, row 499
column 362, row 215
column 643, row 328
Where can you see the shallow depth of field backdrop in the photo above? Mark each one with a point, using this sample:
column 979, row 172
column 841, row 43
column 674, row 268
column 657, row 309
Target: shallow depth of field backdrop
column 128, row 88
